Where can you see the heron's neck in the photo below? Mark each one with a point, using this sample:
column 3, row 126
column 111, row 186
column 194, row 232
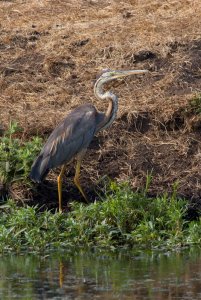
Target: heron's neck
column 111, row 112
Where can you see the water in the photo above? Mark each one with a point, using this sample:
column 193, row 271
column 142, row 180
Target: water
column 125, row 276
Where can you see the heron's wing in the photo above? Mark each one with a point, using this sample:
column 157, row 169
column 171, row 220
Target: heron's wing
column 69, row 138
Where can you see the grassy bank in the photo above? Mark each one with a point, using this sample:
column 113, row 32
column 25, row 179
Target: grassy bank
column 122, row 219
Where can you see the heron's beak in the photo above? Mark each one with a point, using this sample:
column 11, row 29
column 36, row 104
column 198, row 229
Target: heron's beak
column 119, row 74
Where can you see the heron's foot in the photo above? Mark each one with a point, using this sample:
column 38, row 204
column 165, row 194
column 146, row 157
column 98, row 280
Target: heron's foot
column 77, row 183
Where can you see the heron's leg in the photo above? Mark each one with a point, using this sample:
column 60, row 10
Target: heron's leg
column 59, row 180
column 77, row 174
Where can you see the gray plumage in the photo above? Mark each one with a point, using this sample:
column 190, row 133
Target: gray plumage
column 67, row 140
column 72, row 136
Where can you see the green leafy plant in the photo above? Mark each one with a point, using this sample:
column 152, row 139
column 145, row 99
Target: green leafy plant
column 16, row 156
column 122, row 219
column 195, row 104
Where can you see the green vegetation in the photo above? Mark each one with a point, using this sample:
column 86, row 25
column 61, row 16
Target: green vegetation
column 123, row 218
column 195, row 104
column 16, row 156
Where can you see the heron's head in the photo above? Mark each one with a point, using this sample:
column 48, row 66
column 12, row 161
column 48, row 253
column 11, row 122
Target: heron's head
column 108, row 75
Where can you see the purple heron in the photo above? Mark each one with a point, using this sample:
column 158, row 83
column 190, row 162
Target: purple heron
column 73, row 135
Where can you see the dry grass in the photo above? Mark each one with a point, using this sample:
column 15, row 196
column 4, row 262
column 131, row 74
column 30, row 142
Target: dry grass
column 51, row 52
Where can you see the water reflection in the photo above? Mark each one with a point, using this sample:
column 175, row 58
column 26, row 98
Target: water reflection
column 139, row 275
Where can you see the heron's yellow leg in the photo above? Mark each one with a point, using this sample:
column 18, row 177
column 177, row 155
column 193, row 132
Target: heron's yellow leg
column 59, row 180
column 77, row 176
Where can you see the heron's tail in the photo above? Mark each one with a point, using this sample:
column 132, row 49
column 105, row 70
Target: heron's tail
column 39, row 169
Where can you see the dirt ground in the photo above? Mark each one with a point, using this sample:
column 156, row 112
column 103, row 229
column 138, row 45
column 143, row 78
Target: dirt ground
column 50, row 55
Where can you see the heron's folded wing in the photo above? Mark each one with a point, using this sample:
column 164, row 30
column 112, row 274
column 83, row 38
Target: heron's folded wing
column 69, row 138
